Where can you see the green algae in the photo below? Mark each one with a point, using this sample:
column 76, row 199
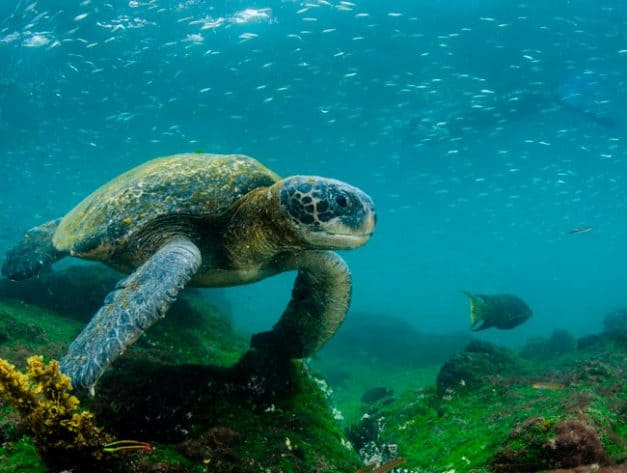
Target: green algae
column 20, row 456
column 28, row 329
column 509, row 415
column 296, row 432
column 380, row 351
column 183, row 387
column 195, row 332
column 366, row 375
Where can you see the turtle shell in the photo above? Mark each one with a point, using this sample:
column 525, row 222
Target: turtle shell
column 185, row 185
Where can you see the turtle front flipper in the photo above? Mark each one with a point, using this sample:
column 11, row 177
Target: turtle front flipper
column 136, row 304
column 33, row 253
column 319, row 303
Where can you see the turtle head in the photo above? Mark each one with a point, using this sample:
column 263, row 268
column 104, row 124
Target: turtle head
column 326, row 213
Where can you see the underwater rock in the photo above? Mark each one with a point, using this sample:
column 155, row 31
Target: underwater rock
column 337, row 377
column 540, row 444
column 185, row 387
column 380, row 350
column 376, row 394
column 615, row 324
column 366, row 437
column 216, row 445
column 589, row 341
column 29, row 330
column 493, row 411
column 245, row 418
column 13, row 329
column 44, row 314
column 575, row 444
column 10, row 427
column 392, row 340
column 559, row 343
column 239, row 419
column 616, row 321
column 77, row 290
column 468, row 370
column 594, row 468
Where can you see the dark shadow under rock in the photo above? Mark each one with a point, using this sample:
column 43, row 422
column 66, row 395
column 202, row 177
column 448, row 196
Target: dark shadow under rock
column 166, row 402
column 559, row 343
column 376, row 394
column 77, row 291
column 262, row 413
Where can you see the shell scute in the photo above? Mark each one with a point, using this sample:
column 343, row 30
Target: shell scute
column 185, row 185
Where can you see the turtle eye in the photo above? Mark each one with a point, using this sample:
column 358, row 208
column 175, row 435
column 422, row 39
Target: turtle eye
column 341, row 200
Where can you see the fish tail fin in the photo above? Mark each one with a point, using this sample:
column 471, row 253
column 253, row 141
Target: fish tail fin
column 476, row 309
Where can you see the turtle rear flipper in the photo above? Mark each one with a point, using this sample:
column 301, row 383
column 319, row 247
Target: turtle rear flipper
column 33, row 253
column 137, row 303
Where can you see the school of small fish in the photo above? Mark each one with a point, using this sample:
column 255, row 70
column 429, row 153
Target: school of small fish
column 504, row 120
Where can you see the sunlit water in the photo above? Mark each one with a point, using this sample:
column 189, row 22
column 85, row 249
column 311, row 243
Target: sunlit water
column 485, row 131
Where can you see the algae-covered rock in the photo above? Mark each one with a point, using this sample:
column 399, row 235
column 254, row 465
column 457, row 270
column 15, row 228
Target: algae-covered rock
column 43, row 315
column 259, row 415
column 540, row 444
column 75, row 292
column 559, row 343
column 374, row 351
column 189, row 388
column 376, row 394
column 515, row 416
column 615, row 324
column 467, row 371
column 394, row 340
column 29, row 329
column 593, row 468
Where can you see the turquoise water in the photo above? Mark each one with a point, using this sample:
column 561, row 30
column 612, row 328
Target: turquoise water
column 485, row 131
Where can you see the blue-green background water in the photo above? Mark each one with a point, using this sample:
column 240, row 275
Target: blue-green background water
column 370, row 92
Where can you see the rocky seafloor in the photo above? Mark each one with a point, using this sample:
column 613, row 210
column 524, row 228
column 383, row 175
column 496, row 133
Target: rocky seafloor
column 190, row 390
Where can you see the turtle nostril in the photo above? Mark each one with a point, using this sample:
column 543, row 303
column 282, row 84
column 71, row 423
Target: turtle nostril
column 341, row 201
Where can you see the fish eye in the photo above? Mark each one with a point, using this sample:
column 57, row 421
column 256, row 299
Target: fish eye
column 341, row 200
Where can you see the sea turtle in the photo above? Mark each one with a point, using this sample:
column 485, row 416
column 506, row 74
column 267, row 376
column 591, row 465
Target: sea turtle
column 205, row 220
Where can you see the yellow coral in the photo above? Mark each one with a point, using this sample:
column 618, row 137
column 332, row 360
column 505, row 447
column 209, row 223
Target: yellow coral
column 43, row 400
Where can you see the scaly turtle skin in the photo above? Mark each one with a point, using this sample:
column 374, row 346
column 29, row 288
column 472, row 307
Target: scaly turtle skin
column 204, row 220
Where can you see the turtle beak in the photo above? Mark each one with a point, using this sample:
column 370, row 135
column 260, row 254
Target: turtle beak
column 366, row 219
column 370, row 221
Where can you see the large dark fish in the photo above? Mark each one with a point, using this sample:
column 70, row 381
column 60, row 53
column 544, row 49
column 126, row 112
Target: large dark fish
column 504, row 311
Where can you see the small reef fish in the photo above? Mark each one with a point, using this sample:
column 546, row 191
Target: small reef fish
column 122, row 445
column 548, row 385
column 387, row 466
column 504, row 311
column 578, row 230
